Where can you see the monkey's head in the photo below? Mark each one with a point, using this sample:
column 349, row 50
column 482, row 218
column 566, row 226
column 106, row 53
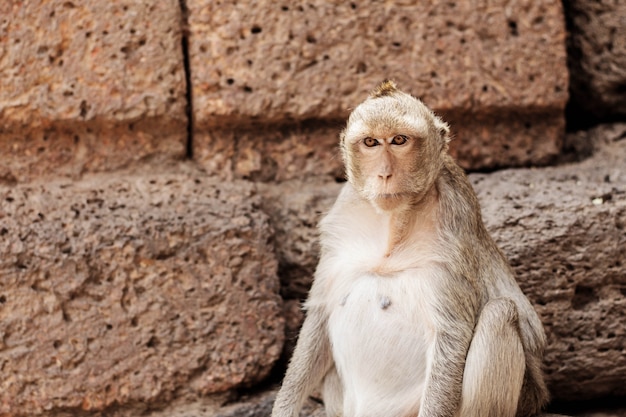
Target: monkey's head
column 392, row 147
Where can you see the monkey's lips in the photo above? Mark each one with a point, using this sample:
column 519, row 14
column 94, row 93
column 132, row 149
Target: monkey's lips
column 389, row 201
column 391, row 196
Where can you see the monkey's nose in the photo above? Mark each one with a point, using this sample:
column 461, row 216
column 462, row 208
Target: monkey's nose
column 384, row 176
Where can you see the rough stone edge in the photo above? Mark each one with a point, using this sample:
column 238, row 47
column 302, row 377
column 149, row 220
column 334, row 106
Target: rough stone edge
column 73, row 149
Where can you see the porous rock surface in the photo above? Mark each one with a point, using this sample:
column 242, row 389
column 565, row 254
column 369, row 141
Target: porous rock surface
column 270, row 154
column 134, row 288
column 89, row 86
column 563, row 230
column 481, row 64
column 597, row 56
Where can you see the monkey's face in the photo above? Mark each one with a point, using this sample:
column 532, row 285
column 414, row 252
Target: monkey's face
column 382, row 164
column 392, row 149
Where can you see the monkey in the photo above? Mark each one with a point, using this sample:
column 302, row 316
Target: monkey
column 414, row 310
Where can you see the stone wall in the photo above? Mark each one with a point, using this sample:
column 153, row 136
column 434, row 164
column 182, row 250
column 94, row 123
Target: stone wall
column 89, row 86
column 163, row 166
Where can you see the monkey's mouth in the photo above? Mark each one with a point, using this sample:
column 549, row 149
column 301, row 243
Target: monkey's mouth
column 389, row 201
column 391, row 196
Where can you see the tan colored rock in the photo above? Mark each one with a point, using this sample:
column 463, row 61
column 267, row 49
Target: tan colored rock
column 274, row 61
column 133, row 288
column 562, row 229
column 597, row 56
column 267, row 155
column 89, row 86
column 483, row 65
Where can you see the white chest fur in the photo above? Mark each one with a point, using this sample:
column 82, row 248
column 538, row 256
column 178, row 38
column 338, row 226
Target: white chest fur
column 380, row 338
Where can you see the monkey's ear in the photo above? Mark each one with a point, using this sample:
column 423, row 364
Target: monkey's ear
column 443, row 128
column 386, row 88
column 342, row 144
column 342, row 137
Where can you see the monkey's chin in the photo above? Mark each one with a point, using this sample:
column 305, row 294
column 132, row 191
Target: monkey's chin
column 389, row 202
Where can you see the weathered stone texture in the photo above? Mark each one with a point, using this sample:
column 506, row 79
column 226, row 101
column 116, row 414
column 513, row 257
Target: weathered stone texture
column 89, row 85
column 279, row 61
column 261, row 154
column 295, row 210
column 133, row 288
column 481, row 64
column 597, row 56
column 562, row 228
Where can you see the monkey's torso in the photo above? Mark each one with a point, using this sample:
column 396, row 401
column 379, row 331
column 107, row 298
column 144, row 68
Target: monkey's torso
column 384, row 363
column 381, row 308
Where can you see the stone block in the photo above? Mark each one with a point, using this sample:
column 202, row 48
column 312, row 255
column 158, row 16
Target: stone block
column 482, row 64
column 562, row 228
column 89, row 86
column 133, row 289
column 265, row 155
column 597, row 56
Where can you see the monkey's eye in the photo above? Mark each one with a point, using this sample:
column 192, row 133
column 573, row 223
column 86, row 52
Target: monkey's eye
column 399, row 140
column 370, row 142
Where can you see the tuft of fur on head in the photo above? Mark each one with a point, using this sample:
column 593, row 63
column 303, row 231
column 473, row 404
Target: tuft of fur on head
column 386, row 88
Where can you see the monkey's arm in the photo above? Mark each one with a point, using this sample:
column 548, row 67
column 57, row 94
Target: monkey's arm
column 442, row 396
column 310, row 362
column 455, row 318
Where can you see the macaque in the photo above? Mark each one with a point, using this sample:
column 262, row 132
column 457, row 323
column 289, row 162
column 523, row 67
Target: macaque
column 413, row 311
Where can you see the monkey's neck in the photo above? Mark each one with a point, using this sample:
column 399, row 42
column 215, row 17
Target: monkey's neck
column 397, row 231
column 410, row 219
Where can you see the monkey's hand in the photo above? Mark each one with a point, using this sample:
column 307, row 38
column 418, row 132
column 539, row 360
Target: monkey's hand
column 311, row 360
